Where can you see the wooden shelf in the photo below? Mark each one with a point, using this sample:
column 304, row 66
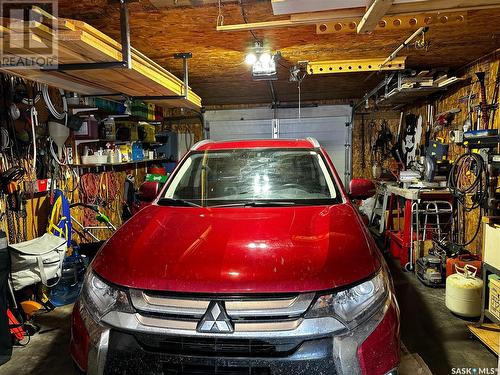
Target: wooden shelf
column 488, row 334
column 78, row 42
column 82, row 141
column 78, row 142
column 158, row 160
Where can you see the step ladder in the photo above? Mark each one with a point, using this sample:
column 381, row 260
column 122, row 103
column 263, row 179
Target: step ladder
column 377, row 217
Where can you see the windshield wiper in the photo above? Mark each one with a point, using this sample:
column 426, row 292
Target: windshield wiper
column 176, row 202
column 258, row 204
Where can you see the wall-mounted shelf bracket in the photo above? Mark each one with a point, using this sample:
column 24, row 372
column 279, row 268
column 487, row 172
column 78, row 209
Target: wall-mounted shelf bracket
column 185, row 56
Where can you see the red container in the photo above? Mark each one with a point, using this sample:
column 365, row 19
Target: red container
column 89, row 129
column 461, row 261
column 157, row 170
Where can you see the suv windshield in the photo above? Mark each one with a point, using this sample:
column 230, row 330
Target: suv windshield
column 252, row 177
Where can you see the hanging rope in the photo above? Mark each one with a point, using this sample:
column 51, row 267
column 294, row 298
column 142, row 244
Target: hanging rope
column 89, row 188
column 468, row 184
column 100, row 189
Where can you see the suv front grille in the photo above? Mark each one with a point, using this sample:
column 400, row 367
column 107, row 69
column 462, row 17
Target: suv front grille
column 249, row 314
column 237, row 308
column 200, row 346
column 209, row 370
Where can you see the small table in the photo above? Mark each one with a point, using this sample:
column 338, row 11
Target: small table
column 401, row 238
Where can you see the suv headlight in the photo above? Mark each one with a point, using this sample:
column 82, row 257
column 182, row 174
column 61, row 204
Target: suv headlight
column 354, row 304
column 100, row 297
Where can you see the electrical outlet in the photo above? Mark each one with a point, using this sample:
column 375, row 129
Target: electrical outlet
column 69, row 155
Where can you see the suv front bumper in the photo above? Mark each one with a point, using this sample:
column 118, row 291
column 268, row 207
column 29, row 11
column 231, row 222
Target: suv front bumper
column 121, row 345
column 312, row 357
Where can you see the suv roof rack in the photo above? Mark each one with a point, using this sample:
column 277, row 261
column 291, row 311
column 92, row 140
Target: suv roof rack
column 200, row 143
column 314, row 142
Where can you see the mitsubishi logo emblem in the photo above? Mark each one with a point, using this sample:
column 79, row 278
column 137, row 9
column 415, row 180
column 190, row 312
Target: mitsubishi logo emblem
column 215, row 320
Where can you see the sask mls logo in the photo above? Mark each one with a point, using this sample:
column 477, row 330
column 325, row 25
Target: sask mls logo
column 474, row 371
column 29, row 33
column 215, row 320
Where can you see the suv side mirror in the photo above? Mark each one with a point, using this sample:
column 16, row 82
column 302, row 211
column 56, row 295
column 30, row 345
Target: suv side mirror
column 361, row 188
column 148, row 191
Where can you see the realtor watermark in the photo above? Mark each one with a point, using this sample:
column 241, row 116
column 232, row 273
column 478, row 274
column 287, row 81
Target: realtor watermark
column 29, row 34
column 474, row 371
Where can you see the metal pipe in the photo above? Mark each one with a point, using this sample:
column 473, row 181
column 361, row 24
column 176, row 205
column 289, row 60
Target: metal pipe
column 185, row 91
column 125, row 34
column 273, row 93
column 158, row 97
column 384, row 82
column 348, row 151
column 86, row 66
column 206, row 129
column 103, row 95
column 186, row 77
column 393, row 55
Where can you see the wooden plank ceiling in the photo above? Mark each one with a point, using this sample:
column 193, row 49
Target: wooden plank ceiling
column 219, row 75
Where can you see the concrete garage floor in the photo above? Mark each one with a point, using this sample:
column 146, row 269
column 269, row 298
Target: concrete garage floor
column 441, row 340
column 48, row 351
column 428, row 328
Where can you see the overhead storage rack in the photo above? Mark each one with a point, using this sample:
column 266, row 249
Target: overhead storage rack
column 92, row 63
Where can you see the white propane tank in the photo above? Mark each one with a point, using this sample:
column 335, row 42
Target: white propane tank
column 463, row 292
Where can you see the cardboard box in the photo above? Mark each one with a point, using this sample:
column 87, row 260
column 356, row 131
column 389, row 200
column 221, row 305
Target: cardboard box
column 494, row 301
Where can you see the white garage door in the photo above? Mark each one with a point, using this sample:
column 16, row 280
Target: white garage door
column 243, row 129
column 329, row 131
column 328, row 127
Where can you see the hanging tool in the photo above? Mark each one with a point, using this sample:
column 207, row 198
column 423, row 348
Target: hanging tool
column 445, row 118
column 363, row 146
column 494, row 100
column 484, row 103
column 422, row 44
column 397, row 149
column 384, row 140
column 430, row 121
column 10, row 178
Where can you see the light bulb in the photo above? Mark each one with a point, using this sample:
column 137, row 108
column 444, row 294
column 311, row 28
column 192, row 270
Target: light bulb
column 265, row 58
column 250, row 59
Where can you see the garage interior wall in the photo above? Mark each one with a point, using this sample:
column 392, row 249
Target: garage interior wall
column 325, row 123
column 452, row 99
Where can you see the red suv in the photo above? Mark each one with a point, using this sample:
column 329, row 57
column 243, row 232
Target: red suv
column 251, row 261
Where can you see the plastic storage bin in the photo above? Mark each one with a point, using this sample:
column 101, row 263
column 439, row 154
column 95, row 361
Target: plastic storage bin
column 68, row 288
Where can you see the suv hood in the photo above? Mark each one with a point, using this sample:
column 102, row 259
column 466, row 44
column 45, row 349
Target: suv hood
column 239, row 250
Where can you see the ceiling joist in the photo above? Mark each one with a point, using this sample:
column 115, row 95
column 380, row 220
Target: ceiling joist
column 395, row 22
column 373, row 15
column 355, row 15
column 441, row 5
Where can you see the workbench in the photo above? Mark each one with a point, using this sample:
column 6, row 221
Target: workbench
column 400, row 236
